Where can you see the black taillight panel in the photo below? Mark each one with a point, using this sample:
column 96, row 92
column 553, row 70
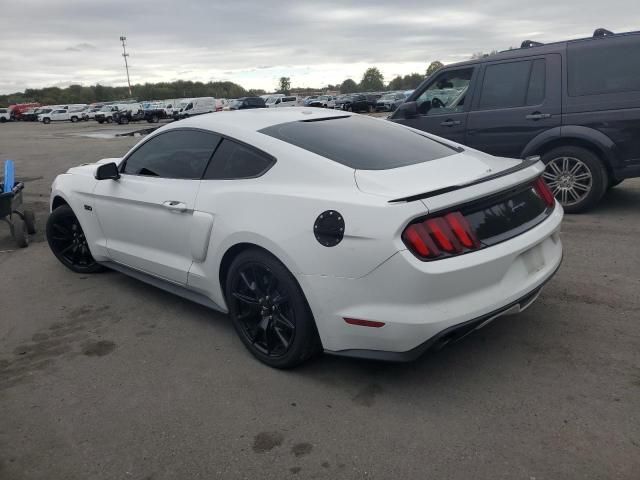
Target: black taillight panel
column 478, row 224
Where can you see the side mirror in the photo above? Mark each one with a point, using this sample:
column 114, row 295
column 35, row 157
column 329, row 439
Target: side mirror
column 407, row 110
column 108, row 171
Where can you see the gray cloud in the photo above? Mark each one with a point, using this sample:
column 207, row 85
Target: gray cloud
column 253, row 42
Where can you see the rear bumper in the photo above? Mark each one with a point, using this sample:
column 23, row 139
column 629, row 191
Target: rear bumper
column 418, row 301
column 446, row 336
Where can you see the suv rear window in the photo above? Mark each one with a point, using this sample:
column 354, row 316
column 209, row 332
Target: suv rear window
column 360, row 142
column 607, row 65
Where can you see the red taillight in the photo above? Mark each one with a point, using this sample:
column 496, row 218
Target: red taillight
column 450, row 234
column 544, row 191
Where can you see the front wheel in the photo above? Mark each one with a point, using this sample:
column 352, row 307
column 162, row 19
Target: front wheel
column 576, row 176
column 74, row 119
column 269, row 310
column 109, row 120
column 68, row 243
column 46, row 121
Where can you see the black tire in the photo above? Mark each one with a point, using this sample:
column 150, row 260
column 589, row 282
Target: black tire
column 46, row 121
column 613, row 183
column 269, row 310
column 123, row 120
column 30, row 221
column 155, row 119
column 109, row 120
column 74, row 119
column 591, row 164
column 67, row 242
column 2, row 119
column 100, row 122
column 19, row 231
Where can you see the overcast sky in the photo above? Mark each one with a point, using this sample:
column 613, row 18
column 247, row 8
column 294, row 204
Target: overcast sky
column 254, row 42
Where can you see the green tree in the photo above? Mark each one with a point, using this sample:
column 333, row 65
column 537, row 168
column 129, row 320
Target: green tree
column 285, row 85
column 434, row 67
column 396, row 84
column 372, row 80
column 348, row 86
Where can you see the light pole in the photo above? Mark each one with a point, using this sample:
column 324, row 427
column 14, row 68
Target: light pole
column 123, row 39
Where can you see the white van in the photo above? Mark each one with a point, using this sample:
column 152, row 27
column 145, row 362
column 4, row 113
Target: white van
column 283, row 102
column 5, row 115
column 195, row 106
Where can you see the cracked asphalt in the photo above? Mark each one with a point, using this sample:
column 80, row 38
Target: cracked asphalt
column 103, row 377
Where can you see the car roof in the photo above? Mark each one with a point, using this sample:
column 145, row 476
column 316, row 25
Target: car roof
column 252, row 120
column 541, row 49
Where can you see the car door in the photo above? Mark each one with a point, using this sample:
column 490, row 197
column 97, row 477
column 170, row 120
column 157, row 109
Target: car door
column 234, row 166
column 516, row 101
column 147, row 215
column 443, row 104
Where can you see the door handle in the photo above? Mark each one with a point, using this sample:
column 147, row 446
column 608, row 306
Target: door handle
column 537, row 116
column 450, row 123
column 175, row 206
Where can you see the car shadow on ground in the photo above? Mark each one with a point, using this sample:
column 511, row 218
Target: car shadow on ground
column 620, row 199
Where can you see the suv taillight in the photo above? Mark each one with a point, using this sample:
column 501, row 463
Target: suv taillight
column 435, row 237
column 544, row 191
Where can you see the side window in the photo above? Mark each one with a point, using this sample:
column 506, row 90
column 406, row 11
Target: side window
column 606, row 65
column 234, row 161
column 537, row 80
column 505, row 85
column 446, row 94
column 174, row 154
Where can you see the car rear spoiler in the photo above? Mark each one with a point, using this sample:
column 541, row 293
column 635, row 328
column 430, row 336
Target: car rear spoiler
column 526, row 163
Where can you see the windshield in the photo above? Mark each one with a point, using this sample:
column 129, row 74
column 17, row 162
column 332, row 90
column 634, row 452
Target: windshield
column 360, row 142
column 272, row 99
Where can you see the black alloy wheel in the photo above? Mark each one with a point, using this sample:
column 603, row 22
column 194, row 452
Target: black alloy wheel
column 269, row 311
column 68, row 243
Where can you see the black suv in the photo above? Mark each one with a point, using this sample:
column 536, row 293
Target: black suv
column 359, row 102
column 247, row 102
column 575, row 103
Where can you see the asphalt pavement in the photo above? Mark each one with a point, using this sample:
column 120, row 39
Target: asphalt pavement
column 103, row 377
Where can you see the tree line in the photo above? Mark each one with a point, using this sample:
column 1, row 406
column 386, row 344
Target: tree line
column 146, row 91
column 371, row 81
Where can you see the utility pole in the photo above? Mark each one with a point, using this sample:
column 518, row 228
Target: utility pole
column 123, row 39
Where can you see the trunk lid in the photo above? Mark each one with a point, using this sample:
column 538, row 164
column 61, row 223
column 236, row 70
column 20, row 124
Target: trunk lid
column 433, row 176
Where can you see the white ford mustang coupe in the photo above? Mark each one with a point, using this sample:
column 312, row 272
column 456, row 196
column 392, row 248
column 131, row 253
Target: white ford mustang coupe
column 316, row 230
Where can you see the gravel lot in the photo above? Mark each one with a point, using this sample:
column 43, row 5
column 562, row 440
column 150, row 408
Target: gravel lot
column 103, row 377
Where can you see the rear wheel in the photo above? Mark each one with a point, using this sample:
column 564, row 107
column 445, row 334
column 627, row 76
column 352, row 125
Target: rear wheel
column 576, row 176
column 68, row 243
column 269, row 310
column 109, row 120
column 74, row 119
column 30, row 221
column 19, row 231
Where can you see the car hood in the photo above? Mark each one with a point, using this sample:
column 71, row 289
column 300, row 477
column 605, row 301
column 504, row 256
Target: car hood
column 452, row 171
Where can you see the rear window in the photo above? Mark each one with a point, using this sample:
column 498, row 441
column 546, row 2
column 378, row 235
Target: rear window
column 608, row 65
column 360, row 142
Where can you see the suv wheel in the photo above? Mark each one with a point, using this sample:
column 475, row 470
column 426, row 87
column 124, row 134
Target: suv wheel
column 576, row 176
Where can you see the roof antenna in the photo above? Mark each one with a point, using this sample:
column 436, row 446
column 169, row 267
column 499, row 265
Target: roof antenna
column 602, row 32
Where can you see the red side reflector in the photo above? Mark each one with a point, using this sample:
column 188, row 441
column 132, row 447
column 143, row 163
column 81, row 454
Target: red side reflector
column 544, row 191
column 364, row 323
